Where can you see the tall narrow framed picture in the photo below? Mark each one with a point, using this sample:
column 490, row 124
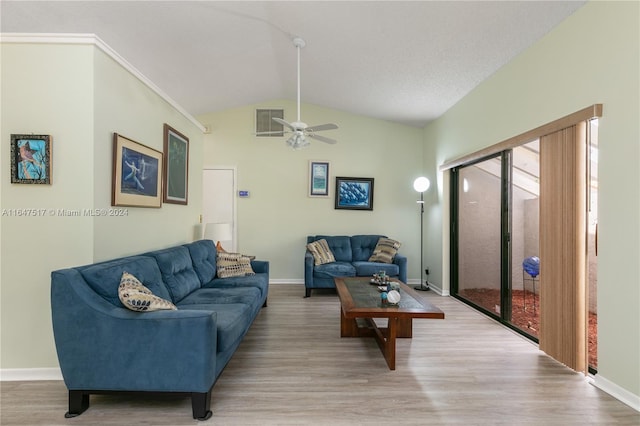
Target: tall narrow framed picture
column 31, row 159
column 176, row 166
column 354, row 193
column 137, row 174
column 318, row 178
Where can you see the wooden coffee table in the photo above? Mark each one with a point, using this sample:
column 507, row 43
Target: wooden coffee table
column 360, row 304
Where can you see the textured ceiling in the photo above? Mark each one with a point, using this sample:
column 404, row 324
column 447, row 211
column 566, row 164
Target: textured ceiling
column 406, row 62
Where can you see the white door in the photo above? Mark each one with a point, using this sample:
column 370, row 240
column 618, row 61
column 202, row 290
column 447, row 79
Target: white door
column 219, row 201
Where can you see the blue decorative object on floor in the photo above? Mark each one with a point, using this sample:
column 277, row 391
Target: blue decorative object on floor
column 531, row 265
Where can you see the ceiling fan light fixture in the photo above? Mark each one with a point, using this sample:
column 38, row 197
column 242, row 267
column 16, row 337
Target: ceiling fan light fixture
column 297, row 141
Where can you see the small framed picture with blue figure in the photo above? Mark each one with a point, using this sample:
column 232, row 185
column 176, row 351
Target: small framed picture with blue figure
column 31, row 159
column 354, row 193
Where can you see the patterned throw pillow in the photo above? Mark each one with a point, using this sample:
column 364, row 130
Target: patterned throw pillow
column 385, row 250
column 137, row 297
column 233, row 265
column 321, row 252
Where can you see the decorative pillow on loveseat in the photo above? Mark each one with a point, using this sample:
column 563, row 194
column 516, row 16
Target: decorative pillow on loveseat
column 385, row 250
column 137, row 297
column 321, row 252
column 233, row 265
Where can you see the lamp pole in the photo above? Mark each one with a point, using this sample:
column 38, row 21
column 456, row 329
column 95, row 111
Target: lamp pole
column 421, row 184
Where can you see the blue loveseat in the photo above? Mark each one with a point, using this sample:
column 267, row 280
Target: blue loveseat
column 104, row 347
column 352, row 255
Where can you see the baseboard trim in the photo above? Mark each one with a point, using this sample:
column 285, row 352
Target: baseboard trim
column 29, row 374
column 619, row 393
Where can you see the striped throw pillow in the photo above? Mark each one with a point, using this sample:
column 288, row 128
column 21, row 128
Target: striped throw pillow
column 321, row 252
column 385, row 250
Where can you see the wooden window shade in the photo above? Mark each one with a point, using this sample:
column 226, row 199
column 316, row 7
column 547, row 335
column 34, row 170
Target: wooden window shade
column 563, row 333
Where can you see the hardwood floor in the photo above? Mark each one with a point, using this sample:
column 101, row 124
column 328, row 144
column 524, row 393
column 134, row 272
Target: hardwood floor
column 294, row 369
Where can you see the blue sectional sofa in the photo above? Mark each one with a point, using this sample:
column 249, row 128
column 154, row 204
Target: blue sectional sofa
column 103, row 347
column 352, row 255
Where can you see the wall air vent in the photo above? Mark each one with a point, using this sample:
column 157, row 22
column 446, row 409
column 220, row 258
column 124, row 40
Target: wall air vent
column 265, row 126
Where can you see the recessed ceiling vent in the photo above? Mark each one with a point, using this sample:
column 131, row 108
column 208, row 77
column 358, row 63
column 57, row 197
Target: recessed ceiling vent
column 266, row 126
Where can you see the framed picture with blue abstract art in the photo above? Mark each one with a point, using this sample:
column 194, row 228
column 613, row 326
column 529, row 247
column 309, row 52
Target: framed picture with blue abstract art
column 318, row 178
column 176, row 166
column 137, row 174
column 31, row 159
column 354, row 193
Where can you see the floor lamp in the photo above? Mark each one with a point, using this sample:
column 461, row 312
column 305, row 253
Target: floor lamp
column 421, row 184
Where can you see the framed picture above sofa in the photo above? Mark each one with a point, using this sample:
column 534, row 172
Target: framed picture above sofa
column 176, row 166
column 137, row 174
column 354, row 193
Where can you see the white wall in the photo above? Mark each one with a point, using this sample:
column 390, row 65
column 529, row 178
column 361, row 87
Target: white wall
column 592, row 57
column 274, row 221
column 79, row 96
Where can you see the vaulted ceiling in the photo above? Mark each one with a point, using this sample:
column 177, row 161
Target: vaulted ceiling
column 406, row 62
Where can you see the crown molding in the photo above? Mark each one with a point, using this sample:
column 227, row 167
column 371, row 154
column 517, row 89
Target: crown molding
column 94, row 40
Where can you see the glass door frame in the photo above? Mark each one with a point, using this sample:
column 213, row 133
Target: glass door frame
column 506, row 178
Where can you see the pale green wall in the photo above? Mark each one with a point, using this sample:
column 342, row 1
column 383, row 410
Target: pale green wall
column 80, row 96
column 274, row 221
column 592, row 57
column 127, row 107
column 45, row 90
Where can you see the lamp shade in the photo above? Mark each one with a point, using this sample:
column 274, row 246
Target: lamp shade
column 218, row 232
column 421, row 184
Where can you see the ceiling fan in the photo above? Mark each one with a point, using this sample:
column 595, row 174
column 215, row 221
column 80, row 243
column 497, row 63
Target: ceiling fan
column 299, row 130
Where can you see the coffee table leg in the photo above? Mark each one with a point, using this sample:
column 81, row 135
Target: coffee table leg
column 386, row 340
column 390, row 344
column 348, row 326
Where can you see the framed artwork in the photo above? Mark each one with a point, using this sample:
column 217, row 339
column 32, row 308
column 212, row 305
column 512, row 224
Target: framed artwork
column 318, row 178
column 31, row 159
column 354, row 193
column 176, row 166
column 137, row 174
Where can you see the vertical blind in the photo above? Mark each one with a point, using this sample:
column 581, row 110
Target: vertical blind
column 563, row 332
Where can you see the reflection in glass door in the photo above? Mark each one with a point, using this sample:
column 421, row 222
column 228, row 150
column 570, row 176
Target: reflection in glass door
column 478, row 256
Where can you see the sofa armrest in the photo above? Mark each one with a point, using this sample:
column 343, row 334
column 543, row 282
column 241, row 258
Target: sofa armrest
column 260, row 266
column 401, row 261
column 104, row 347
column 308, row 269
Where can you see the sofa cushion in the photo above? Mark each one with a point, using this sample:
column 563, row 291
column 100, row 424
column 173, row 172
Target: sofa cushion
column 260, row 281
column 203, row 258
column 137, row 297
column 362, row 246
column 177, row 271
column 104, row 278
column 233, row 265
column 367, row 269
column 233, row 321
column 385, row 250
column 335, row 269
column 247, row 295
column 321, row 252
column 340, row 246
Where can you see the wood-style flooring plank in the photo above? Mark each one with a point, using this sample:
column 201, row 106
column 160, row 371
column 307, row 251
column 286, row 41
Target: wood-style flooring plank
column 294, row 369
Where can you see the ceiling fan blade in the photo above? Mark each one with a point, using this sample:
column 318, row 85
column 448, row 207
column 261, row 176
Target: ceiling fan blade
column 322, row 138
column 284, row 123
column 320, row 127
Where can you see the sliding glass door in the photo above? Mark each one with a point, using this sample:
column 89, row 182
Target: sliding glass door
column 479, row 242
column 495, row 236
